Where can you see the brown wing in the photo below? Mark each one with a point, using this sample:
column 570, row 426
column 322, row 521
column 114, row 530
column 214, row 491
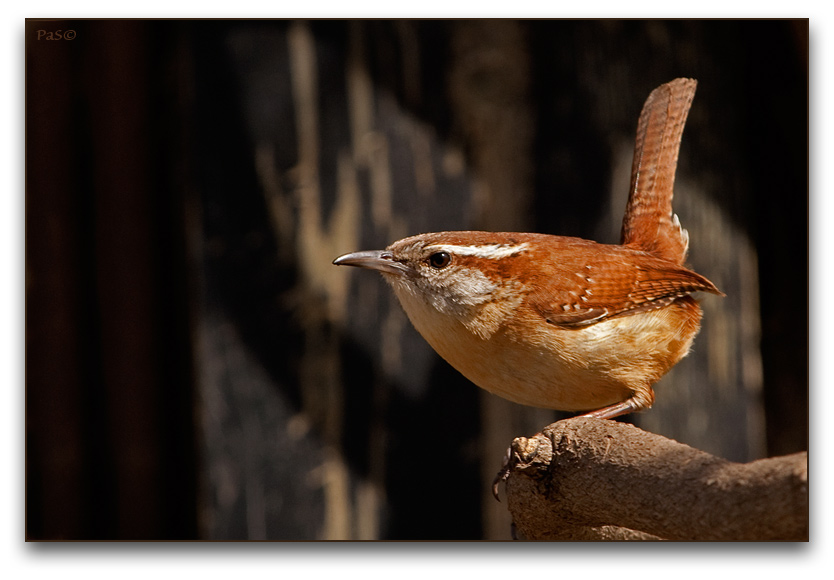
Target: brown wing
column 621, row 283
column 649, row 223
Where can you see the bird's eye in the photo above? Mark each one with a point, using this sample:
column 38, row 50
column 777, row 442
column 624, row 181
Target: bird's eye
column 439, row 260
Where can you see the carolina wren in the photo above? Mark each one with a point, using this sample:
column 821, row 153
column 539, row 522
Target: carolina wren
column 561, row 322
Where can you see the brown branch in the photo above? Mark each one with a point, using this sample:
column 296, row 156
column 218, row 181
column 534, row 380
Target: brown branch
column 592, row 479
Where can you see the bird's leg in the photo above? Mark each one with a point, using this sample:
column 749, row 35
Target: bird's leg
column 640, row 401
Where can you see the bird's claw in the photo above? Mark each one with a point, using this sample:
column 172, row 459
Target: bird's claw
column 503, row 473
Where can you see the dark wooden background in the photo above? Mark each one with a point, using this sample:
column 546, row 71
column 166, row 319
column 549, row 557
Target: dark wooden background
column 196, row 368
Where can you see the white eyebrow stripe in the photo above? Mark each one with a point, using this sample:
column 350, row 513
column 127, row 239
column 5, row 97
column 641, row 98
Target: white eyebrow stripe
column 489, row 251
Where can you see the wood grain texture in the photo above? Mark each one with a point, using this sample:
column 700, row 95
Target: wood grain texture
column 590, row 479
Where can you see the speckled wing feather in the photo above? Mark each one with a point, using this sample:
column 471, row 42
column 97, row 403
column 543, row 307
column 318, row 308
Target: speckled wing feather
column 615, row 285
column 649, row 223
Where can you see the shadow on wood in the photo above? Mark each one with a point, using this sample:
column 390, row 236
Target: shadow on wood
column 592, row 479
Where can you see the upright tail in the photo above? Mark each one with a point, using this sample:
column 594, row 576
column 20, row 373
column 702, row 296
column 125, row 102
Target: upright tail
column 649, row 223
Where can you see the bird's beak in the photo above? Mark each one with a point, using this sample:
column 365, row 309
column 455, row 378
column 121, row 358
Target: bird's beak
column 380, row 260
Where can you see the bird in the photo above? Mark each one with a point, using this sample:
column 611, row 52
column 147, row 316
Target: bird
column 561, row 322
